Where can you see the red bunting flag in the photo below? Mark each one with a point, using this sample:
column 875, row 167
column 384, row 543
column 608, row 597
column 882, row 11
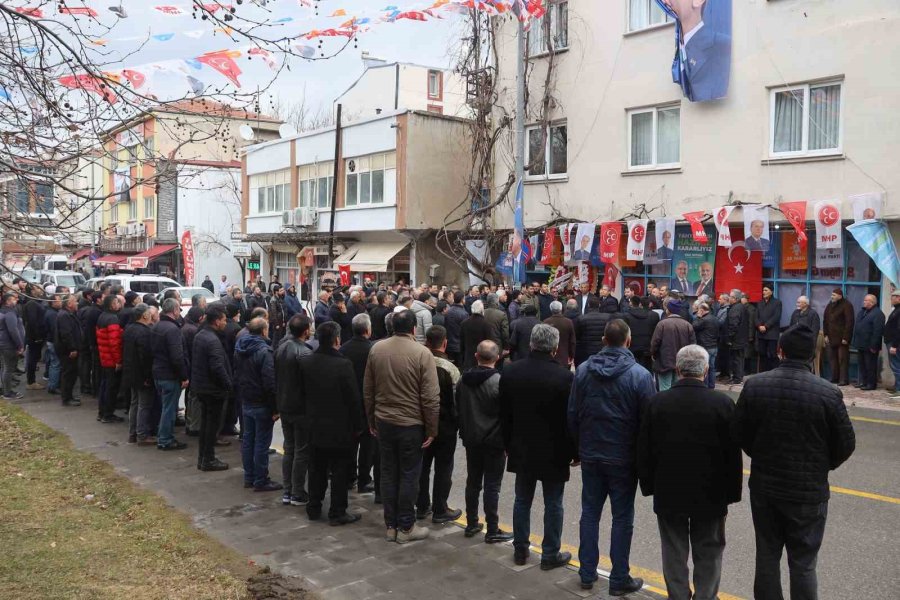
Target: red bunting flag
column 609, row 241
column 37, row 13
column 223, row 62
column 344, row 271
column 697, row 230
column 795, row 213
column 77, row 10
column 135, row 78
column 549, row 252
column 412, row 15
column 90, row 83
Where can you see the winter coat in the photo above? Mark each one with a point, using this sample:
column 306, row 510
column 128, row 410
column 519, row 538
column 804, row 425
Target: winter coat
column 288, row 355
column 278, row 318
column 478, row 405
column 333, row 408
column 377, row 313
column 706, row 330
column 109, row 340
column 520, row 336
column 423, row 319
column 448, row 377
column 868, row 329
column 583, row 302
column 453, row 321
column 606, row 405
column 208, row 284
column 254, row 372
column 672, row 334
column 292, row 306
column 687, row 458
column 892, row 329
column 254, row 301
column 810, row 318
column 535, row 301
column 210, row 369
column 189, row 329
column 137, row 357
column 33, row 317
column 794, row 427
column 473, row 331
column 609, row 305
column 838, row 322
column 566, row 350
column 642, row 322
column 356, row 350
column 344, row 319
column 589, row 330
column 499, row 323
column 169, row 355
column 321, row 313
column 12, row 331
column 534, row 394
column 125, row 315
column 514, row 310
column 768, row 314
column 545, row 300
column 68, row 334
column 50, row 317
column 738, row 326
column 88, row 316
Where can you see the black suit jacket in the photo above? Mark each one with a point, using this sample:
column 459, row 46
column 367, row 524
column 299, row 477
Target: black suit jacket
column 473, row 331
column 333, row 405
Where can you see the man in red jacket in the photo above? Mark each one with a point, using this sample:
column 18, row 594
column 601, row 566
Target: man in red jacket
column 109, row 347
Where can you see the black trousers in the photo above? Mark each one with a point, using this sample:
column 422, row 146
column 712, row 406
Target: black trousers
column 109, row 391
column 68, row 373
column 723, row 360
column 401, row 463
column 839, row 361
column 322, row 460
column 296, row 454
column 210, row 420
column 768, row 354
column 868, row 368
column 368, row 463
column 229, row 416
column 736, row 363
column 485, row 467
column 87, row 372
column 797, row 527
column 32, row 357
column 643, row 358
column 440, row 453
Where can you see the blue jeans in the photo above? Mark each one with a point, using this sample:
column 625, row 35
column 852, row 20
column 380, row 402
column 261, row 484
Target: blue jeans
column 711, row 374
column 256, row 437
column 553, row 514
column 894, row 362
column 169, row 392
column 619, row 483
column 52, row 368
column 666, row 380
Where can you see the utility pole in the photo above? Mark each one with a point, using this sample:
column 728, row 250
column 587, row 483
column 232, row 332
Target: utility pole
column 520, row 104
column 337, row 170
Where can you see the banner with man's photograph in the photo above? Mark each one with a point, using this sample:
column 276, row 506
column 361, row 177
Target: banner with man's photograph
column 693, row 265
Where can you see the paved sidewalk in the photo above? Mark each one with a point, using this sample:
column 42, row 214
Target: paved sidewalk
column 351, row 562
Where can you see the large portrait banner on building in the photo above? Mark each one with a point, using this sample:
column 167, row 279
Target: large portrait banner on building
column 693, row 265
column 702, row 63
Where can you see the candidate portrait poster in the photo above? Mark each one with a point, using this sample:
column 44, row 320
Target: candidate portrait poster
column 665, row 239
column 756, row 228
column 867, row 206
column 693, row 265
column 702, row 63
column 584, row 238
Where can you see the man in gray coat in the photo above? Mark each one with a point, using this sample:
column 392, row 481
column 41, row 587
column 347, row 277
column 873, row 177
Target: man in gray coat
column 499, row 323
column 672, row 334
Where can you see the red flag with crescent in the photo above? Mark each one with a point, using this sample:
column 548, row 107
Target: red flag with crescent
column 697, row 229
column 223, row 62
column 738, row 268
column 344, row 271
column 609, row 241
column 828, row 224
column 795, row 213
column 135, row 78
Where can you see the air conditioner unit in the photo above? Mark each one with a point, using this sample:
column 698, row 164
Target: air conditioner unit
column 170, row 226
column 132, row 229
column 121, row 230
column 141, row 229
column 306, row 217
column 287, row 218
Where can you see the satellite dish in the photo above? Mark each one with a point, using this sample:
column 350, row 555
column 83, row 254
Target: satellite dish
column 247, row 133
column 287, row 130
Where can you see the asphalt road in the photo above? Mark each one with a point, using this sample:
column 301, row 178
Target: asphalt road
column 860, row 557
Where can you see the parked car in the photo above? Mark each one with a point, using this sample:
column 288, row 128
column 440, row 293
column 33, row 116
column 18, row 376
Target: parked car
column 94, row 283
column 141, row 284
column 187, row 294
column 71, row 279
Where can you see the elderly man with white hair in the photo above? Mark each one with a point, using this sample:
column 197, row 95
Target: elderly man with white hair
column 565, row 354
column 474, row 330
column 806, row 315
column 689, row 463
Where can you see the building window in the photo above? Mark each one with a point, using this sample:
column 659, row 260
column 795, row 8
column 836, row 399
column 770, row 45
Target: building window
column 654, row 137
column 316, row 182
column 287, row 268
column 371, row 179
column 271, row 191
column 148, row 147
column 546, row 151
column 556, row 22
column 643, row 14
column 805, row 120
column 132, row 210
column 435, row 85
column 149, row 206
column 22, row 200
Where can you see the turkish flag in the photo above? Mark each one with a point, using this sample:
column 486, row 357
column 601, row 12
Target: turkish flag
column 696, row 221
column 344, row 270
column 135, row 78
column 610, row 276
column 550, row 251
column 609, row 241
column 795, row 213
column 738, row 268
column 223, row 62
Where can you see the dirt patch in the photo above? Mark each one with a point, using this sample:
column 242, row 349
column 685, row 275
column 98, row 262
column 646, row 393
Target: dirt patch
column 271, row 586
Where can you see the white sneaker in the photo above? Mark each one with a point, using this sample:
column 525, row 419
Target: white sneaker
column 414, row 534
column 391, row 535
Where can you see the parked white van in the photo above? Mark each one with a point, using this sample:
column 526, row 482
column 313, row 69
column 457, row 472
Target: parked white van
column 71, row 279
column 142, row 284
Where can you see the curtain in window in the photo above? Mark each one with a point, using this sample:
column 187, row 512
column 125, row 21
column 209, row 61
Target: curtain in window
column 824, row 117
column 536, row 151
column 558, row 149
column 641, row 139
column 668, row 142
column 638, row 14
column 561, row 25
column 788, row 121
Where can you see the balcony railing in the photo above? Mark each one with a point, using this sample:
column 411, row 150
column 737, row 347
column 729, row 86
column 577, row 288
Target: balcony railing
column 137, row 243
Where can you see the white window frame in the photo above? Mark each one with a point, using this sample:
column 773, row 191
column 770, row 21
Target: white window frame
column 649, row 26
column 804, row 150
column 435, row 76
column 537, row 29
column 546, row 175
column 654, row 165
column 149, row 208
column 132, row 210
column 270, row 183
column 384, row 159
column 314, row 173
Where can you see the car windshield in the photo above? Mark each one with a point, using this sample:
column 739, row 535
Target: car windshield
column 70, row 281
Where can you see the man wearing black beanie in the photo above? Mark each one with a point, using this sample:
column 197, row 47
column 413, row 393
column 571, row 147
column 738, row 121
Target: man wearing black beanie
column 794, row 427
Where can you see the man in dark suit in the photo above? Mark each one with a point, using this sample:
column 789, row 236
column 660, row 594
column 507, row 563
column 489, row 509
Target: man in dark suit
column 705, row 284
column 867, row 331
column 666, row 251
column 534, row 396
column 706, row 53
column 520, row 333
column 680, row 281
column 583, row 297
column 473, row 331
column 565, row 354
column 756, row 240
column 357, row 350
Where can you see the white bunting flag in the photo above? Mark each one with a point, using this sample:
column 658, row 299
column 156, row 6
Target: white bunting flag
column 637, row 236
column 828, row 224
column 722, row 217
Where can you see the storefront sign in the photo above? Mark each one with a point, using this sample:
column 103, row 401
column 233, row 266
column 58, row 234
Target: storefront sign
column 241, row 250
column 187, row 252
column 138, row 262
column 693, row 265
column 253, row 265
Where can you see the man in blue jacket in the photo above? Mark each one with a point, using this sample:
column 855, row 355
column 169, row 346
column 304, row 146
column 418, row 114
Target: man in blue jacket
column 170, row 370
column 608, row 399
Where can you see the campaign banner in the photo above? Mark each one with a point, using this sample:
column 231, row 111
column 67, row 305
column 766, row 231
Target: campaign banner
column 756, row 228
column 867, row 206
column 637, row 236
column 187, row 253
column 566, row 239
column 584, row 238
column 551, row 250
column 795, row 213
column 829, row 258
column 828, row 223
column 739, row 268
column 609, row 241
column 697, row 229
column 693, row 265
column 665, row 240
column 722, row 226
column 793, row 252
column 874, row 237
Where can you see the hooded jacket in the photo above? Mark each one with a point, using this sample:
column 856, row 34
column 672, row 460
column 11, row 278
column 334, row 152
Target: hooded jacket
column 642, row 322
column 478, row 404
column 292, row 306
column 12, row 330
column 254, row 371
column 423, row 319
column 606, row 404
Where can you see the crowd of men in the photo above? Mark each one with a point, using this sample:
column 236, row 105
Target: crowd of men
column 375, row 389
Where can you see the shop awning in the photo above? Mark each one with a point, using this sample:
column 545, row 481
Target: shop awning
column 79, row 255
column 370, row 256
column 142, row 260
column 110, row 260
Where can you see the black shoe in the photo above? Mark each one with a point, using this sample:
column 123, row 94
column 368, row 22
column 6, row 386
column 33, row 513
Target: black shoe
column 248, row 485
column 268, row 486
column 497, row 537
column 636, row 584
column 843, row 383
column 214, row 465
column 521, row 556
column 366, row 489
column 176, row 445
column 377, row 498
column 834, row 381
column 71, row 403
column 53, row 392
column 301, row 500
column 868, row 388
column 344, row 519
column 552, row 562
column 179, row 421
column 858, row 385
column 191, row 433
column 14, row 396
column 736, row 381
column 588, row 585
column 314, row 515
column 111, row 419
column 423, row 514
column 452, row 514
column 473, row 530
column 272, row 450
column 132, row 439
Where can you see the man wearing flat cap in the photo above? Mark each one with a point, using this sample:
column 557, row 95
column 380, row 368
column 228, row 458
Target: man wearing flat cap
column 794, row 427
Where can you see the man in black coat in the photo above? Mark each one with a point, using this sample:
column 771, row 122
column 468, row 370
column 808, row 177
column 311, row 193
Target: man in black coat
column 231, row 412
column 768, row 329
column 378, row 312
column 356, row 350
column 691, row 465
column 642, row 321
column 68, row 343
column 89, row 359
column 473, row 331
column 794, row 427
column 589, row 329
column 35, row 334
column 340, row 315
column 335, row 414
column 189, row 328
column 520, row 333
column 137, row 375
column 453, row 321
column 534, row 395
column 806, row 315
column 292, row 408
column 868, row 329
column 738, row 335
column 892, row 340
column 171, row 371
column 211, row 382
